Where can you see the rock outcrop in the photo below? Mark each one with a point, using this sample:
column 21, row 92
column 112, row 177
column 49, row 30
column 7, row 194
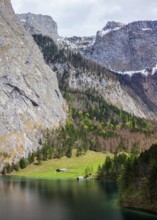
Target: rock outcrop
column 40, row 24
column 30, row 100
column 143, row 87
column 131, row 47
column 75, row 43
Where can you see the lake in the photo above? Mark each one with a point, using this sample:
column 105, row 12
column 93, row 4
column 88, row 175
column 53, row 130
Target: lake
column 26, row 199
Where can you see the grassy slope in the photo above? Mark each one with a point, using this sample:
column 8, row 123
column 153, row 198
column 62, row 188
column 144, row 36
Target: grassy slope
column 76, row 166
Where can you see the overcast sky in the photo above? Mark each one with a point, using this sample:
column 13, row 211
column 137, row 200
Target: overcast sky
column 85, row 17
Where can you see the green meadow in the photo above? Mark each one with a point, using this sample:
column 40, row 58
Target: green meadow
column 75, row 166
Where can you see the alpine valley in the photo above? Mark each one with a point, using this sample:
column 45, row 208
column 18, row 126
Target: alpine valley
column 103, row 78
column 81, row 99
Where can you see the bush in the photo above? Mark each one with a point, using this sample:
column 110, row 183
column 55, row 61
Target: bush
column 23, row 163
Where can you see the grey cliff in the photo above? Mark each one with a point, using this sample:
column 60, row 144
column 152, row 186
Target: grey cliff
column 40, row 24
column 30, row 100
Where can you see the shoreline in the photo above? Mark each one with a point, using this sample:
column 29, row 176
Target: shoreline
column 141, row 209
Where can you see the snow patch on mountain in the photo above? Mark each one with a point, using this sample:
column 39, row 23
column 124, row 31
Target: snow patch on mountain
column 104, row 32
column 145, row 72
column 146, row 29
column 76, row 43
column 154, row 69
column 23, row 20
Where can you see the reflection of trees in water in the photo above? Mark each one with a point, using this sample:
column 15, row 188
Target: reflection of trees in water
column 78, row 197
column 49, row 189
column 70, row 190
column 62, row 199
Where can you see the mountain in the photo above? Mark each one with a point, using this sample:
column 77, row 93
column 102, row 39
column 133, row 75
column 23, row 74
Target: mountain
column 126, row 48
column 29, row 95
column 83, row 71
column 130, row 52
column 40, row 24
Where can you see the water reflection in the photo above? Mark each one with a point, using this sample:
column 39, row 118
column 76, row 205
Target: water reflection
column 60, row 200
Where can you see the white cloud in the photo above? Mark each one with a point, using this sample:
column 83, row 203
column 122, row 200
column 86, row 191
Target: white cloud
column 85, row 17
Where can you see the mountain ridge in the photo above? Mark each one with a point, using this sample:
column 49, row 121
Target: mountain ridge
column 130, row 47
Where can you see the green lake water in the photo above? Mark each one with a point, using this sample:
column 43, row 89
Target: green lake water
column 27, row 199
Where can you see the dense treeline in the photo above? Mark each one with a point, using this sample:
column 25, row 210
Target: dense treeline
column 112, row 167
column 48, row 48
column 136, row 176
column 15, row 166
column 139, row 181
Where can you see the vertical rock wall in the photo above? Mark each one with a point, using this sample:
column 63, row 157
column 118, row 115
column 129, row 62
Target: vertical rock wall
column 30, row 100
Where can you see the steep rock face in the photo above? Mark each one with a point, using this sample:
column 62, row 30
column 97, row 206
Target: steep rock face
column 143, row 87
column 29, row 95
column 123, row 48
column 40, row 24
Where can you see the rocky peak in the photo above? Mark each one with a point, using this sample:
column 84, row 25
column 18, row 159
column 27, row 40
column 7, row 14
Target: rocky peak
column 40, row 24
column 112, row 25
column 126, row 48
column 30, row 99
